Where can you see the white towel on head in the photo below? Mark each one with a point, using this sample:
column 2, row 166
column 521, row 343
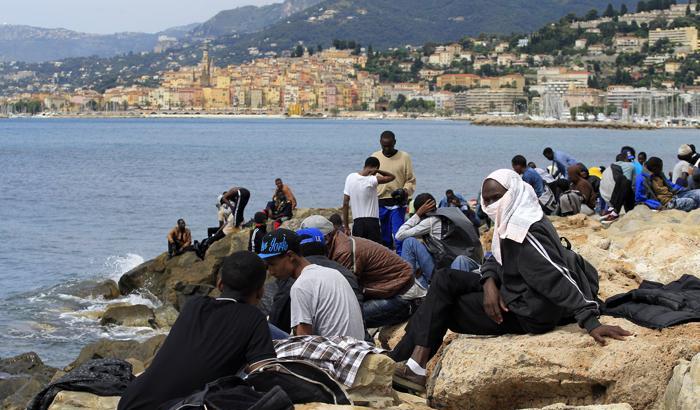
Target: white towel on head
column 514, row 213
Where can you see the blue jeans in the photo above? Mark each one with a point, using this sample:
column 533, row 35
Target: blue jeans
column 391, row 220
column 276, row 333
column 417, row 255
column 686, row 201
column 386, row 312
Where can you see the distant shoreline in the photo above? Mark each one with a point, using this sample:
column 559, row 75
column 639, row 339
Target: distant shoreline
column 489, row 121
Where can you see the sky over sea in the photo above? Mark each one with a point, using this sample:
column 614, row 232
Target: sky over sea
column 106, row 17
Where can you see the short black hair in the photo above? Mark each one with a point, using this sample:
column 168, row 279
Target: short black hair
column 643, row 154
column 260, row 217
column 655, row 165
column 629, row 149
column 372, row 162
column 548, row 151
column 243, row 272
column 421, row 199
column 449, row 192
column 519, row 160
column 531, row 164
column 620, row 157
column 388, row 134
column 180, row 220
column 278, row 179
column 336, row 219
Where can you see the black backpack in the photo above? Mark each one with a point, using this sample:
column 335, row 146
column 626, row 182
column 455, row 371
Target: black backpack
column 231, row 393
column 458, row 238
column 302, row 381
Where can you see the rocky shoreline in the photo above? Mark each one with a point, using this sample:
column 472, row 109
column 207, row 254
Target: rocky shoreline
column 510, row 122
column 651, row 370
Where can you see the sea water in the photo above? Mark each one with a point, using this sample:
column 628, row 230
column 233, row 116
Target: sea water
column 88, row 199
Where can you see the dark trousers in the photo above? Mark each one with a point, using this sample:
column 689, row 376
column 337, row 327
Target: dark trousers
column 622, row 195
column 455, row 301
column 241, row 202
column 367, row 228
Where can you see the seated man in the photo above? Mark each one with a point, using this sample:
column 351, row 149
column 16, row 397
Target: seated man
column 616, row 187
column 580, row 183
column 525, row 270
column 321, row 300
column 211, row 338
column 455, row 200
column 657, row 192
column 384, row 277
column 286, row 191
column 279, row 209
column 258, row 232
column 415, row 251
column 179, row 239
column 313, row 248
column 534, row 179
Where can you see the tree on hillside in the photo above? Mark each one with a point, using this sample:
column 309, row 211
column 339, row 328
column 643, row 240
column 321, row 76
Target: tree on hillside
column 298, row 51
column 623, row 9
column 609, row 11
column 591, row 15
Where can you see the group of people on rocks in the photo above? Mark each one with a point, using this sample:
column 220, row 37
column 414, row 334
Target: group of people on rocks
column 344, row 276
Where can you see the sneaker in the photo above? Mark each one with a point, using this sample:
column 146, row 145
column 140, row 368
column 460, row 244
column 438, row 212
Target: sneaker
column 610, row 218
column 406, row 379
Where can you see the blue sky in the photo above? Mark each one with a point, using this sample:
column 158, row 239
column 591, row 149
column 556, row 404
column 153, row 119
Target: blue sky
column 109, row 16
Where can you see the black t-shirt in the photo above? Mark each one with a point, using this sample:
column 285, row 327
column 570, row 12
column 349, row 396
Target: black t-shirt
column 210, row 339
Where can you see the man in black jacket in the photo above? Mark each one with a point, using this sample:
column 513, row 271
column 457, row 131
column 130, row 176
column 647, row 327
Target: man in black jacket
column 529, row 285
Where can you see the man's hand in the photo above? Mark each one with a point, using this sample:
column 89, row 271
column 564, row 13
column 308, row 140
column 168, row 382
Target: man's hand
column 613, row 332
column 493, row 301
column 425, row 208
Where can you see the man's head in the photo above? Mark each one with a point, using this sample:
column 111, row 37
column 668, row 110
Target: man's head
column 630, row 151
column 278, row 183
column 492, row 191
column 621, row 157
column 519, row 164
column 371, row 165
column 181, row 224
column 449, row 194
column 337, row 221
column 574, row 172
column 388, row 141
column 655, row 165
column 242, row 277
column 584, row 170
column 642, row 157
column 312, row 242
column 421, row 200
column 281, row 251
column 260, row 218
column 548, row 153
column 685, row 152
column 532, row 165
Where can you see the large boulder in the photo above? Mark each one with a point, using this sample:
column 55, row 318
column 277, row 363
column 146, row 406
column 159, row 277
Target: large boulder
column 130, row 315
column 566, row 365
column 107, row 290
column 373, row 383
column 21, row 378
column 72, row 400
column 683, row 391
column 119, row 349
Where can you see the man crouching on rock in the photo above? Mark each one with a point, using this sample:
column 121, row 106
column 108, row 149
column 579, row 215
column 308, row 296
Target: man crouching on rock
column 530, row 284
column 211, row 338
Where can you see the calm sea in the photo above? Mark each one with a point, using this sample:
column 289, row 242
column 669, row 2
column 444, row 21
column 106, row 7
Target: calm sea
column 85, row 200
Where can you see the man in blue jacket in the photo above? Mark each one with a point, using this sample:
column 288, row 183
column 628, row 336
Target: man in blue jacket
column 655, row 191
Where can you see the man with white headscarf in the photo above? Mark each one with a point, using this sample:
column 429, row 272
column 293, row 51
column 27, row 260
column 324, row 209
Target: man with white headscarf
column 530, row 284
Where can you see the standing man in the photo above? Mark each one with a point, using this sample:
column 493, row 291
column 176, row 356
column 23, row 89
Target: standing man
column 561, row 161
column 360, row 193
column 394, row 196
column 236, row 199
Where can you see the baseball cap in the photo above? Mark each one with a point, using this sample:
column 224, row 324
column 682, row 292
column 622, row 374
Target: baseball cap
column 685, row 150
column 310, row 235
column 318, row 222
column 279, row 242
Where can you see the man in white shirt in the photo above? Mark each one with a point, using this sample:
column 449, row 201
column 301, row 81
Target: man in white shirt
column 321, row 299
column 361, row 195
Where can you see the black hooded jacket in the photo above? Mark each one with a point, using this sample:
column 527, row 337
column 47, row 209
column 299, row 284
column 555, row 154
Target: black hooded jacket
column 544, row 281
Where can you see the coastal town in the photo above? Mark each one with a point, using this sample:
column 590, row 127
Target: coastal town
column 618, row 66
